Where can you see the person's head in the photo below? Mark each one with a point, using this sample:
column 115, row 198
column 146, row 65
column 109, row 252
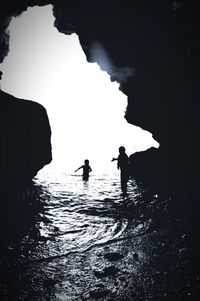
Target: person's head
column 122, row 149
column 86, row 162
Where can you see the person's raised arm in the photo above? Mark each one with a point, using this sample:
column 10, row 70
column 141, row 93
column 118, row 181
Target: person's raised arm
column 116, row 159
column 78, row 168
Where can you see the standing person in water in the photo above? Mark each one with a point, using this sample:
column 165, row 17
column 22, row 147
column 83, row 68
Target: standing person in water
column 86, row 170
column 123, row 165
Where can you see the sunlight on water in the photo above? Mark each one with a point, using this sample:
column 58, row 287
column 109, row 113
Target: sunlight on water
column 86, row 110
column 80, row 214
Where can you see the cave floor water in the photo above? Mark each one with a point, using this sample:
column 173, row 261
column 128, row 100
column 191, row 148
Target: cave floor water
column 81, row 240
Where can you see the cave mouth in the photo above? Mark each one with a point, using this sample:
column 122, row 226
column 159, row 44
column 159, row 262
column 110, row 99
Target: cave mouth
column 86, row 110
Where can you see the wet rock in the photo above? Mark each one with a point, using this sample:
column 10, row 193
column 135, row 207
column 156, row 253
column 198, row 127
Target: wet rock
column 49, row 282
column 113, row 256
column 99, row 293
column 46, row 220
column 136, row 256
column 122, row 278
column 107, row 271
column 42, row 238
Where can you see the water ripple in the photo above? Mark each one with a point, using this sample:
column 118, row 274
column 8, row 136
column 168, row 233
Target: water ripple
column 78, row 215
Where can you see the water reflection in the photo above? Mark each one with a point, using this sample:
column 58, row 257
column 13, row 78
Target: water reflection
column 80, row 214
column 90, row 242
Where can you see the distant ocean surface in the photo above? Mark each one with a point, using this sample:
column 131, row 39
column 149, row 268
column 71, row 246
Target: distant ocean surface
column 89, row 241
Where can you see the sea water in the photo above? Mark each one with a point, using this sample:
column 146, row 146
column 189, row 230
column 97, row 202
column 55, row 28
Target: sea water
column 89, row 241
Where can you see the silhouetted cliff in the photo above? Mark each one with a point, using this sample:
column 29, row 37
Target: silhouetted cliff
column 25, row 141
column 160, row 39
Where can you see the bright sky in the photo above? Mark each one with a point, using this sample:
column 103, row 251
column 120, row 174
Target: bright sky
column 85, row 109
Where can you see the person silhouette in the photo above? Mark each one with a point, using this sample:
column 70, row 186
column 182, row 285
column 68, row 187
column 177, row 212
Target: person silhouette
column 86, row 170
column 123, row 165
column 1, row 73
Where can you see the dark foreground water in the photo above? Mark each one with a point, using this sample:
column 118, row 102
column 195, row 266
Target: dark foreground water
column 81, row 240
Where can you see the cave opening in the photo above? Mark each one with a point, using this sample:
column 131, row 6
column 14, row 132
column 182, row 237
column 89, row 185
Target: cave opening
column 85, row 108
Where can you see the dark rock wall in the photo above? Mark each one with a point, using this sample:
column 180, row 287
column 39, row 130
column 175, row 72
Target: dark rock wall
column 25, row 141
column 160, row 39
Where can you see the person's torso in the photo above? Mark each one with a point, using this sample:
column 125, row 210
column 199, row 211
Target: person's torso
column 123, row 161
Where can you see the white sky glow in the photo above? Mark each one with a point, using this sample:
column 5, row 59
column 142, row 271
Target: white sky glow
column 85, row 109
